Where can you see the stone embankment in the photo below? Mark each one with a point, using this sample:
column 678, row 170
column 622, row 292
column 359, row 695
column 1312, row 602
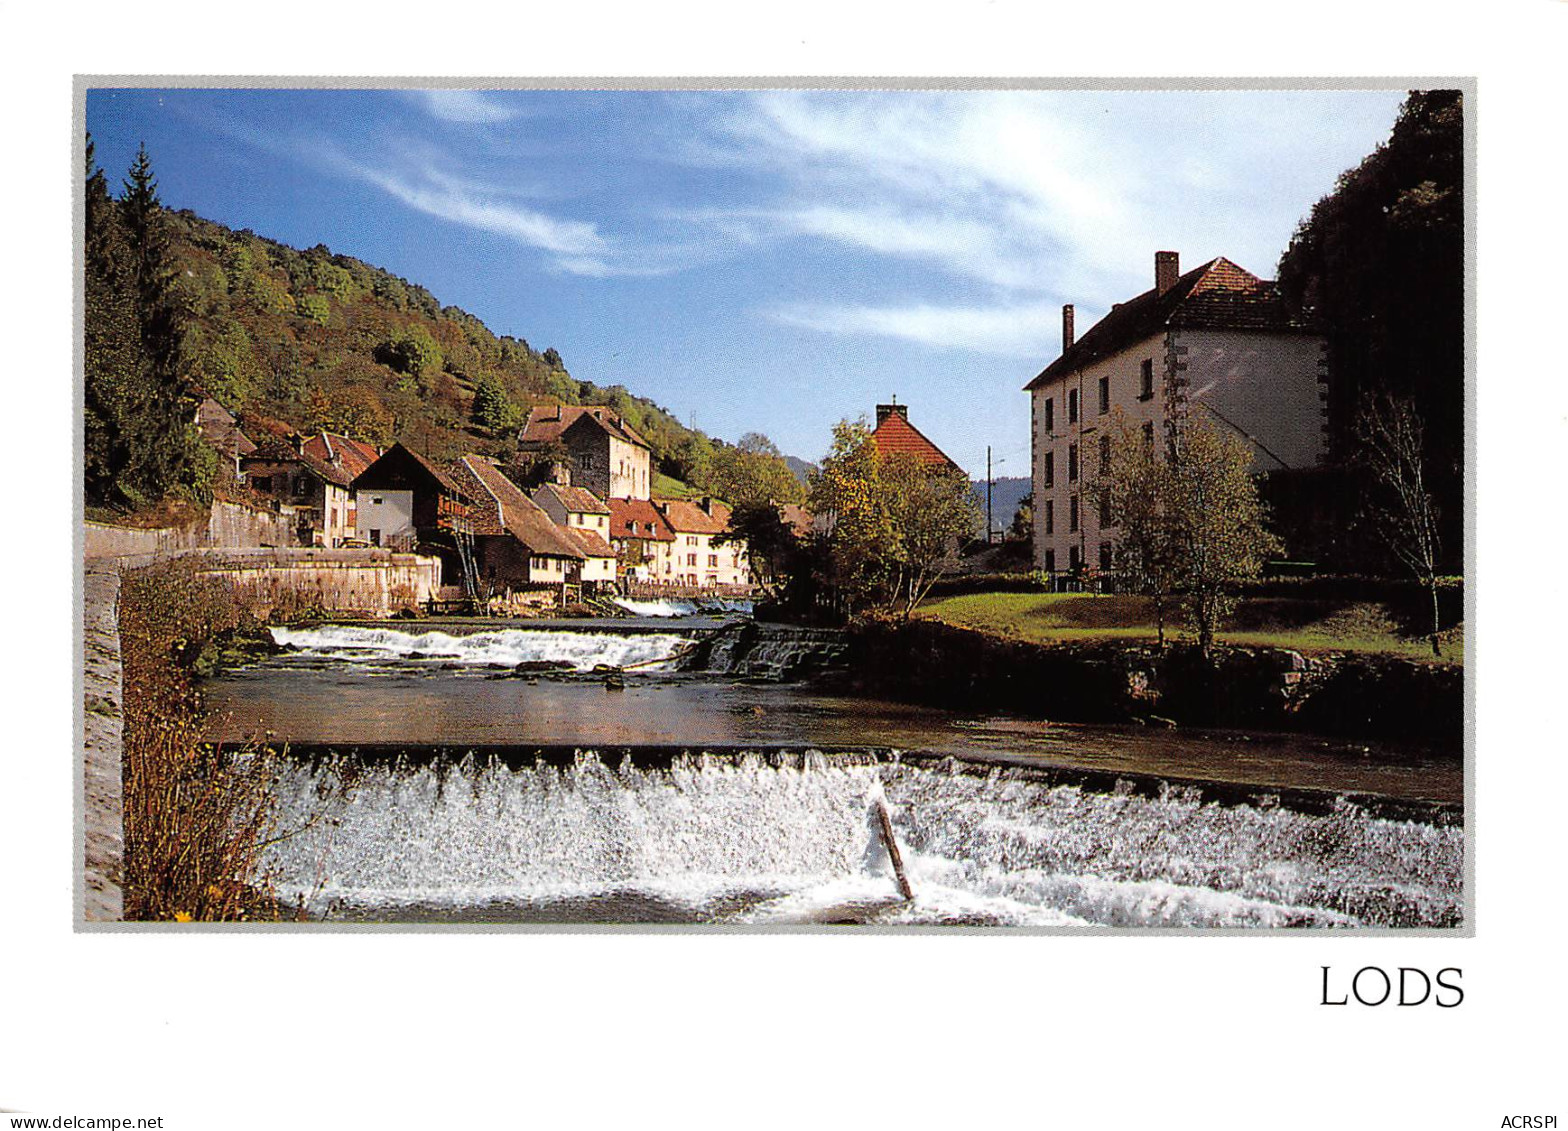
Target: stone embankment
column 103, row 835
column 1341, row 694
column 251, row 549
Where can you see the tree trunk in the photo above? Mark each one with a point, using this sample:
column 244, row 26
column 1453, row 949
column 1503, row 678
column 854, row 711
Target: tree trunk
column 1431, row 584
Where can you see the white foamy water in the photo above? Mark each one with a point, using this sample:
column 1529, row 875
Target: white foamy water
column 665, row 607
column 583, row 650
column 762, row 841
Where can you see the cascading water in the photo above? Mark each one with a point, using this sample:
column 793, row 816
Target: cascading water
column 784, row 838
column 582, row 650
column 683, row 607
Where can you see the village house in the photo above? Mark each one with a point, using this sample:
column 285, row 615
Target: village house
column 695, row 560
column 587, row 519
column 1217, row 341
column 404, row 502
column 602, row 451
column 315, row 476
column 643, row 540
column 222, row 432
column 514, row 543
column 894, row 435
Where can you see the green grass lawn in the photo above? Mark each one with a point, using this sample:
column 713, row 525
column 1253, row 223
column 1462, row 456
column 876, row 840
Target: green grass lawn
column 668, row 487
column 1306, row 626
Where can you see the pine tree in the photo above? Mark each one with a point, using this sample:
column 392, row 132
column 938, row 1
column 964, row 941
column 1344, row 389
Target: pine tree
column 164, row 446
column 112, row 355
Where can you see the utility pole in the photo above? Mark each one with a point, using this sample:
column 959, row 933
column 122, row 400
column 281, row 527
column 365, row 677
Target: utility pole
column 989, row 526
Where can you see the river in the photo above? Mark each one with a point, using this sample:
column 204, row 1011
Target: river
column 431, row 781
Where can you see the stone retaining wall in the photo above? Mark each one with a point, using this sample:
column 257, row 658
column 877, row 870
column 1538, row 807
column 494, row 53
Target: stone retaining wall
column 1343, row 694
column 228, row 524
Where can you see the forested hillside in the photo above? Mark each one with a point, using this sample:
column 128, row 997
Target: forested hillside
column 179, row 306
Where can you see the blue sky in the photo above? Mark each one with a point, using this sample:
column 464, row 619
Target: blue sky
column 767, row 261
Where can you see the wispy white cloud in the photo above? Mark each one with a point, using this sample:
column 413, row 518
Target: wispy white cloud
column 1012, row 331
column 1038, row 194
column 466, row 106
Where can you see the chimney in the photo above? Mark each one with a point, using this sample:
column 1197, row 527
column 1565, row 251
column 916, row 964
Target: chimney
column 895, row 409
column 707, row 505
column 1067, row 327
column 1167, row 269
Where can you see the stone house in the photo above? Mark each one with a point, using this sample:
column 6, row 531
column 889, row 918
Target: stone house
column 313, row 475
column 515, row 545
column 1217, row 341
column 602, row 451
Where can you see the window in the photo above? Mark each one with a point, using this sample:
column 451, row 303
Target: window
column 691, row 559
column 1105, row 395
column 1106, row 560
column 1146, row 380
column 1072, row 514
column 1050, row 517
column 375, row 536
column 1050, row 414
column 1105, row 455
column 1050, row 469
column 1072, row 406
column 713, row 561
column 262, row 483
column 1072, row 558
column 377, row 500
column 691, row 540
column 1148, row 434
column 1050, row 561
column 1072, row 463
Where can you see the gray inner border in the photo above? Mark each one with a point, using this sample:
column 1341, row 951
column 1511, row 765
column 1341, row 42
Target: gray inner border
column 82, row 83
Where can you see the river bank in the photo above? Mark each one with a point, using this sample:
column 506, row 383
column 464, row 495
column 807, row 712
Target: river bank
column 1343, row 695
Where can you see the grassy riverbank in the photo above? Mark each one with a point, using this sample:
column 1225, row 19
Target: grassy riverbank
column 196, row 818
column 1309, row 626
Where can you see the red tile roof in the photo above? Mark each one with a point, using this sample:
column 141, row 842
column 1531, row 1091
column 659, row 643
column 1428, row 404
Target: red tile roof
column 346, row 457
column 500, row 507
column 547, row 423
column 638, row 518
column 1216, row 296
column 896, row 436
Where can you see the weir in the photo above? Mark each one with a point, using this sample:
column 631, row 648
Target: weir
column 793, row 836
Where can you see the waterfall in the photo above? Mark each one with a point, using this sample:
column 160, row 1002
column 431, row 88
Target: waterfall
column 782, row 839
column 508, row 647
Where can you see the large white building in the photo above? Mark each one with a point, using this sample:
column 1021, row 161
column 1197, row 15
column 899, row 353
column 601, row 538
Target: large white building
column 1216, row 341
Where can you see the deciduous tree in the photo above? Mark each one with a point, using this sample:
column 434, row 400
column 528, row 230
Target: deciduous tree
column 1399, row 505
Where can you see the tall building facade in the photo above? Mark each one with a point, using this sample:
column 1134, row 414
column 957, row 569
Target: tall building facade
column 1218, row 342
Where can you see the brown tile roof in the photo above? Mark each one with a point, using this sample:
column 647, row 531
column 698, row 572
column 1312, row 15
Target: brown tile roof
column 689, row 518
column 896, row 436
column 499, row 506
column 589, row 541
column 222, row 431
column 1216, row 296
column 638, row 518
column 547, row 423
column 797, row 518
column 576, row 500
